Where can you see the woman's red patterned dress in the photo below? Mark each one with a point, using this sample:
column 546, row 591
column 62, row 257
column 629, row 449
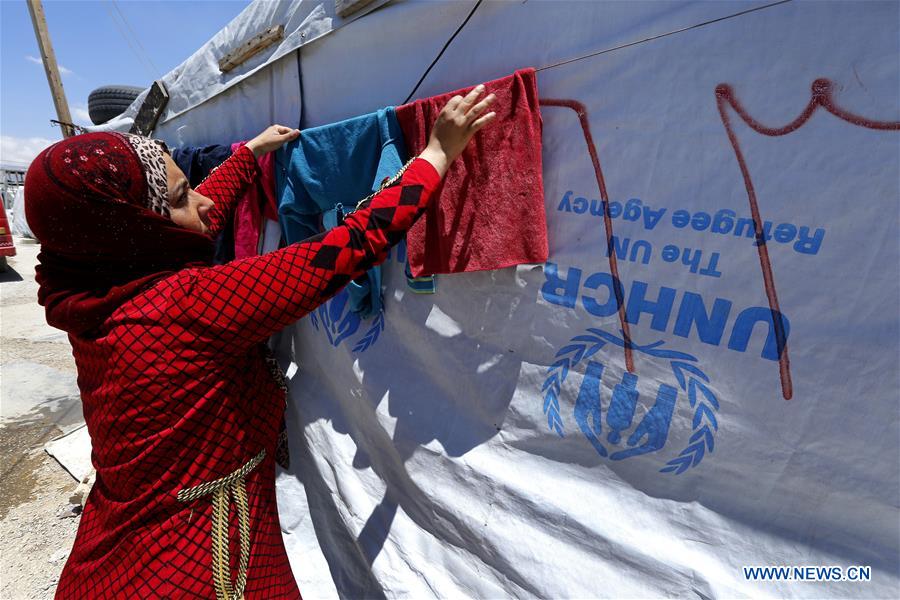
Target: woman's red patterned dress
column 184, row 413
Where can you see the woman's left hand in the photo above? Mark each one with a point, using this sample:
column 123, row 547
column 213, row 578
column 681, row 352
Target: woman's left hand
column 272, row 138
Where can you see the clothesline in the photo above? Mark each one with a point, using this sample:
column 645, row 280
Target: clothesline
column 662, row 35
column 592, row 54
column 441, row 53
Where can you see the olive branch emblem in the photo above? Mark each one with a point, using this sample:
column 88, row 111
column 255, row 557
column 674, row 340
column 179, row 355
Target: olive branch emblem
column 339, row 324
column 371, row 335
column 691, row 379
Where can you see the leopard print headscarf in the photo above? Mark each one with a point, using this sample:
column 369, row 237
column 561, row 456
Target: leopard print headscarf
column 151, row 152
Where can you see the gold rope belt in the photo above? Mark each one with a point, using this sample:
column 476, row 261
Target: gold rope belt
column 223, row 489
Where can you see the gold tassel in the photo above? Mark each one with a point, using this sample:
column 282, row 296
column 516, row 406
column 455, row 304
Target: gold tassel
column 223, row 490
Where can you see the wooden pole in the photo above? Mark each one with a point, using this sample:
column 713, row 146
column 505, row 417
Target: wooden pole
column 36, row 9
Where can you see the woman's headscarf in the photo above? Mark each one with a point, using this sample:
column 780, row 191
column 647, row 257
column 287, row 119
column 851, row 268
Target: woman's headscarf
column 98, row 204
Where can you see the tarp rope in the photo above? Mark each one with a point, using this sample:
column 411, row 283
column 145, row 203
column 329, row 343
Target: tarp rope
column 662, row 35
column 592, row 54
column 441, row 53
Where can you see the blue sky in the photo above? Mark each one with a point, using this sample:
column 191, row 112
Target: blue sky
column 92, row 52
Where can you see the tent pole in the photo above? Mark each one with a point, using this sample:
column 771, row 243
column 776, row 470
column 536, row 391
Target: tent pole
column 36, row 9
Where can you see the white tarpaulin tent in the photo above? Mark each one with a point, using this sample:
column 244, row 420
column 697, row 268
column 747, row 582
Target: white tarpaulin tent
column 501, row 438
column 17, row 221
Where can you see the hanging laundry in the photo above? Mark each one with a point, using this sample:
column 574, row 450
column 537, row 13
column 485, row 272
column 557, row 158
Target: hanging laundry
column 258, row 202
column 489, row 211
column 325, row 172
column 196, row 162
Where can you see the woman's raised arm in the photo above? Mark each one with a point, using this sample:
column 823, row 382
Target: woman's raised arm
column 227, row 182
column 233, row 306
column 241, row 303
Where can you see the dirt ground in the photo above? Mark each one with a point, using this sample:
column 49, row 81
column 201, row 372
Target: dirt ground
column 38, row 402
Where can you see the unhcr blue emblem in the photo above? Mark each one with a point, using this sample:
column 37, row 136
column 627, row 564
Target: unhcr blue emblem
column 621, row 438
column 340, row 324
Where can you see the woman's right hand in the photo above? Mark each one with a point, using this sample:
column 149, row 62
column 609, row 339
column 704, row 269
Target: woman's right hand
column 458, row 121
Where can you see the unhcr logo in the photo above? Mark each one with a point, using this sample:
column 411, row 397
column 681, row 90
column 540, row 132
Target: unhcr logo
column 626, row 425
column 340, row 324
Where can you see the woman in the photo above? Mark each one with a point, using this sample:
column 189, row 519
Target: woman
column 180, row 402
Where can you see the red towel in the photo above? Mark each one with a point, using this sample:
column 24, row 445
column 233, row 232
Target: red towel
column 489, row 212
column 257, row 202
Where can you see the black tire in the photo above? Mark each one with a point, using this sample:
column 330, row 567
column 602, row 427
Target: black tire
column 110, row 101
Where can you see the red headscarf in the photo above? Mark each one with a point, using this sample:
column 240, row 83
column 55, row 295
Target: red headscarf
column 86, row 200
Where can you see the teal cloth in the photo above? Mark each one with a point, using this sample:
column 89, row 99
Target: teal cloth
column 340, row 163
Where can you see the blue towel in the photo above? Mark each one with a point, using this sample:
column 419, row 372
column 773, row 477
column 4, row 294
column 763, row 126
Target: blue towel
column 341, row 163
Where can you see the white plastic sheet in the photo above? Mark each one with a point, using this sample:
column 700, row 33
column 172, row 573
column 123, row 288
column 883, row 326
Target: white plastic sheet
column 73, row 451
column 486, row 441
column 198, row 79
column 18, row 223
column 425, row 456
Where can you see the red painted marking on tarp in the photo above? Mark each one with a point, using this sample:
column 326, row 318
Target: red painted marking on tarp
column 821, row 97
column 581, row 111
